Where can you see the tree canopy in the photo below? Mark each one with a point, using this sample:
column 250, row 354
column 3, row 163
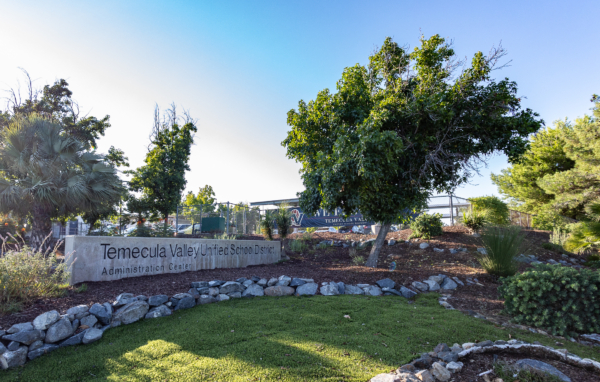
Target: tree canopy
column 560, row 172
column 406, row 125
column 162, row 179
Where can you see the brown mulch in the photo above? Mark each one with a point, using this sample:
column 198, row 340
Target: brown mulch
column 331, row 264
column 479, row 363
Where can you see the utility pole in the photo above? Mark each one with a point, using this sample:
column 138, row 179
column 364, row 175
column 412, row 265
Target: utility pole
column 228, row 218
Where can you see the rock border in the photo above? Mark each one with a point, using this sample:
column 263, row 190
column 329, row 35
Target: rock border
column 443, row 361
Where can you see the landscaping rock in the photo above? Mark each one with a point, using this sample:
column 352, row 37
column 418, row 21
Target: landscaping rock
column 485, row 343
column 386, row 283
column 438, row 250
column 206, row 299
column 392, row 242
column 255, row 279
column 372, row 290
column 89, row 321
column 101, row 313
column 131, row 312
column 454, row 367
column 423, row 362
column 78, row 311
column 141, row 297
column 124, row 299
column 25, row 337
column 159, row 299
column 441, row 348
column 262, row 282
column 18, row 327
column 420, row 286
column 341, row 287
column 468, row 345
column 408, row 368
column 254, row 290
column 41, row 351
column 15, row 358
column 388, row 292
column 540, row 367
column 424, row 376
column 352, row 289
column 73, row 340
column 203, row 290
column 247, row 283
column 230, row 287
column 296, row 282
column 448, row 284
column 92, row 335
column 279, row 290
column 433, row 286
column 191, row 291
column 223, row 297
column 241, row 280
column 308, row 289
column 440, row 372
column 329, row 290
column 407, row 293
column 213, row 291
column 482, row 251
column 235, row 295
column 423, row 245
column 180, row 296
column 36, row 345
column 3, row 348
column 158, row 311
column 199, row 284
column 449, row 357
column 457, row 280
column 215, row 283
column 273, row 281
column 14, row 345
column 284, row 280
column 387, row 377
column 59, row 331
column 184, row 303
column 438, row 279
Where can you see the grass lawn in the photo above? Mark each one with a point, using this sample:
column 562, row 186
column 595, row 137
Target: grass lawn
column 272, row 339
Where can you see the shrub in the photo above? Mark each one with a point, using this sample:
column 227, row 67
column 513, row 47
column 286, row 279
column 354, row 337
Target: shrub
column 473, row 220
column 142, row 230
column 7, row 226
column 27, row 275
column 426, row 226
column 310, row 229
column 559, row 236
column 298, row 246
column 356, row 258
column 266, row 225
column 502, row 245
column 560, row 299
column 494, row 210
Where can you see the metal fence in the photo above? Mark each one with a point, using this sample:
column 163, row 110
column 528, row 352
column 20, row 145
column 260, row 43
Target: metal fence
column 238, row 218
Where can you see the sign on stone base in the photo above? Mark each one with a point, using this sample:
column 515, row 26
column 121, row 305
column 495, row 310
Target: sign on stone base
column 105, row 258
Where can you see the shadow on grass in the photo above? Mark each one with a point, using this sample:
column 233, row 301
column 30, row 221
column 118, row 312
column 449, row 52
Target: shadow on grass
column 263, row 339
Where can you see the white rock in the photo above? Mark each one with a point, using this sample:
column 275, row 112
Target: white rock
column 44, row 320
column 454, row 367
column 440, row 372
column 423, row 245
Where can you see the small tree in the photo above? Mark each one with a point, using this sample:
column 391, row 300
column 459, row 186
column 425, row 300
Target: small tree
column 284, row 223
column 162, row 178
column 402, row 128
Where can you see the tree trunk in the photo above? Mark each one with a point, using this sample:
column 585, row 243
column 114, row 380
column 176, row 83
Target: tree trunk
column 377, row 245
column 41, row 228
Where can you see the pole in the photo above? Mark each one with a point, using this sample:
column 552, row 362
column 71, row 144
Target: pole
column 177, row 220
column 451, row 211
column 245, row 220
column 228, row 218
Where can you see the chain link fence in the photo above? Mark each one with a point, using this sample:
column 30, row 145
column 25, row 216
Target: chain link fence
column 217, row 218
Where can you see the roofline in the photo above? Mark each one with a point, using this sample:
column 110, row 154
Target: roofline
column 276, row 202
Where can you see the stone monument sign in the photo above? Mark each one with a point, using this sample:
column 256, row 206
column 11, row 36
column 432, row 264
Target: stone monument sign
column 105, row 258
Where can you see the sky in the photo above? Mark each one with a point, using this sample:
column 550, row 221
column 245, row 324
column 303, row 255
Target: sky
column 238, row 67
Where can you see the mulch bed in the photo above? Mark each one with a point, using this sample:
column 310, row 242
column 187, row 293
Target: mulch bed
column 479, row 363
column 331, row 264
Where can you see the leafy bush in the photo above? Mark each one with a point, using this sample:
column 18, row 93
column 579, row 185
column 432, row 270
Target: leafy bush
column 306, row 236
column 553, row 247
column 298, row 246
column 310, row 229
column 593, row 261
column 474, row 220
column 283, row 220
column 560, row 299
column 27, row 275
column 266, row 225
column 584, row 237
column 356, row 258
column 494, row 210
column 502, row 245
column 559, row 236
column 142, row 230
column 426, row 226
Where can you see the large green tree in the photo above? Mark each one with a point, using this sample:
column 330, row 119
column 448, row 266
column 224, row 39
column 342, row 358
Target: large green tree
column 559, row 174
column 201, row 203
column 162, row 179
column 406, row 125
column 47, row 173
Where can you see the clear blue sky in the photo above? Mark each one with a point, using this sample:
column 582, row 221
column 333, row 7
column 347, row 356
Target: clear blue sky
column 239, row 66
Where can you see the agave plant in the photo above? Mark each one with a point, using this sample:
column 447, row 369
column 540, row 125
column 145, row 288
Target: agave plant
column 46, row 173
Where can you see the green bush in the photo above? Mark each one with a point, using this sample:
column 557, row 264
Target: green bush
column 142, row 230
column 560, row 299
column 310, row 229
column 473, row 220
column 426, row 226
column 502, row 245
column 7, row 226
column 266, row 225
column 27, row 275
column 298, row 246
column 494, row 210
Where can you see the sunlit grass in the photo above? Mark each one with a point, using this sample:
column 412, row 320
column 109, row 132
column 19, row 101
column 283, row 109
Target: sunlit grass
column 271, row 339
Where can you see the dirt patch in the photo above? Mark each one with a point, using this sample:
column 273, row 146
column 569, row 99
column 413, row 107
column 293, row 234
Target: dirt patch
column 328, row 264
column 479, row 363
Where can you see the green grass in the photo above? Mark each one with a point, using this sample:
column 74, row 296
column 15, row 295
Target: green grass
column 271, row 339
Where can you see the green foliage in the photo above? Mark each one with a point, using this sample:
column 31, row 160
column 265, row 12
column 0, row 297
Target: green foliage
column 310, row 229
column 585, row 236
column 502, row 245
column 298, row 246
column 559, row 174
column 142, row 230
column 82, row 288
column 48, row 174
column 162, row 178
column 474, row 220
column 560, row 299
column 224, row 236
column 27, row 275
column 559, row 236
column 426, row 226
column 357, row 259
column 201, row 203
column 7, row 226
column 283, row 219
column 494, row 210
column 266, row 225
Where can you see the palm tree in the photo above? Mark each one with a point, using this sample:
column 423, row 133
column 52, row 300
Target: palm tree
column 46, row 173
